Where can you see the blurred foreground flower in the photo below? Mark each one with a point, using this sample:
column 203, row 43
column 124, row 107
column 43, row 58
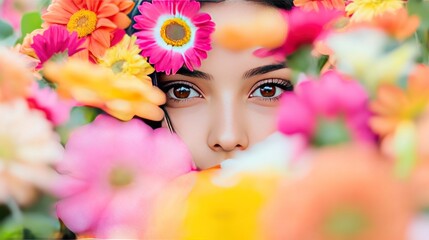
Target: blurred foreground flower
column 375, row 58
column 327, row 111
column 270, row 158
column 253, row 31
column 124, row 58
column 47, row 100
column 121, row 96
column 398, row 24
column 112, row 173
column 56, row 42
column 215, row 212
column 12, row 10
column 28, row 145
column 348, row 193
column 15, row 79
column 366, row 10
column 394, row 104
column 304, row 28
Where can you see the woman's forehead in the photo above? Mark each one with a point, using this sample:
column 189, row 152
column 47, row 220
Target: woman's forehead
column 230, row 11
column 225, row 63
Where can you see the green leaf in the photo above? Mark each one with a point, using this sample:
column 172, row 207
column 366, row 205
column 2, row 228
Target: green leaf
column 303, row 61
column 321, row 62
column 6, row 30
column 330, row 132
column 11, row 230
column 300, row 60
column 79, row 116
column 7, row 35
column 40, row 225
column 30, row 22
column 419, row 8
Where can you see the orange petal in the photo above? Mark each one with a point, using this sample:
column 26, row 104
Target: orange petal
column 68, row 6
column 107, row 10
column 121, row 20
column 106, row 23
column 53, row 18
column 125, row 6
column 103, row 37
column 96, row 48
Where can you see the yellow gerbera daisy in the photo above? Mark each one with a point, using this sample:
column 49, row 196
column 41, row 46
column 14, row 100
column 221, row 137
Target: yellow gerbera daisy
column 365, row 10
column 125, row 58
column 122, row 96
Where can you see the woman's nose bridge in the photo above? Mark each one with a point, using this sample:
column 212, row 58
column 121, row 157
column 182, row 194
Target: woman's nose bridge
column 228, row 125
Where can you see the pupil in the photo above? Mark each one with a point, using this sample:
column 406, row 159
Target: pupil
column 182, row 92
column 268, row 90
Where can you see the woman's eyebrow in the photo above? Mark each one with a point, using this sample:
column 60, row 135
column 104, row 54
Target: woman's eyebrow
column 196, row 74
column 262, row 70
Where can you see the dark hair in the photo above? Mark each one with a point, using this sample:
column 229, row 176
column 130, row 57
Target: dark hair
column 281, row 4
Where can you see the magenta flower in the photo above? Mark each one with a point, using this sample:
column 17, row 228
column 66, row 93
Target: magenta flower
column 327, row 111
column 112, row 172
column 54, row 41
column 305, row 27
column 173, row 33
column 46, row 100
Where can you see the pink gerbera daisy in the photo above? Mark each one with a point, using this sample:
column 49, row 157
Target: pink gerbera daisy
column 173, row 33
column 54, row 41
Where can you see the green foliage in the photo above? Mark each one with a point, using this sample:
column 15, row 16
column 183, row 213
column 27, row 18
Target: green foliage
column 11, row 231
column 30, row 22
column 7, row 36
column 303, row 61
column 79, row 116
column 35, row 222
column 421, row 9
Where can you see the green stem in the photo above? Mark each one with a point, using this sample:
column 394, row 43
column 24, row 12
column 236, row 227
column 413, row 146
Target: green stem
column 15, row 210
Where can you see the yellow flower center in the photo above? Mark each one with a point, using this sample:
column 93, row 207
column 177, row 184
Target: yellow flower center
column 176, row 32
column 83, row 22
column 120, row 177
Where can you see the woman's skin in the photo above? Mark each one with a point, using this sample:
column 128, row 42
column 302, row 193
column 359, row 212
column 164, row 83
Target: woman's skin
column 230, row 102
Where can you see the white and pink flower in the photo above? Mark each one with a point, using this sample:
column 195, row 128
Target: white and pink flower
column 173, row 33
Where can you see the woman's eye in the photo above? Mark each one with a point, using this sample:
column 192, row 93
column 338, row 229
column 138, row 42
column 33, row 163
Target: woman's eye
column 268, row 90
column 182, row 92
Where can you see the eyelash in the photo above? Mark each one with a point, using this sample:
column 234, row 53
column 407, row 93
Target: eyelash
column 285, row 85
column 166, row 88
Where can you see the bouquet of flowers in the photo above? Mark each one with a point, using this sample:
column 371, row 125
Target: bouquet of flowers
column 350, row 159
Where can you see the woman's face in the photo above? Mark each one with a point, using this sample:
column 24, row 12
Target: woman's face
column 230, row 102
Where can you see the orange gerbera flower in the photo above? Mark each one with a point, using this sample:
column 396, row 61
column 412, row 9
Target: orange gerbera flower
column 398, row 24
column 348, row 193
column 394, row 105
column 94, row 19
column 317, row 4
